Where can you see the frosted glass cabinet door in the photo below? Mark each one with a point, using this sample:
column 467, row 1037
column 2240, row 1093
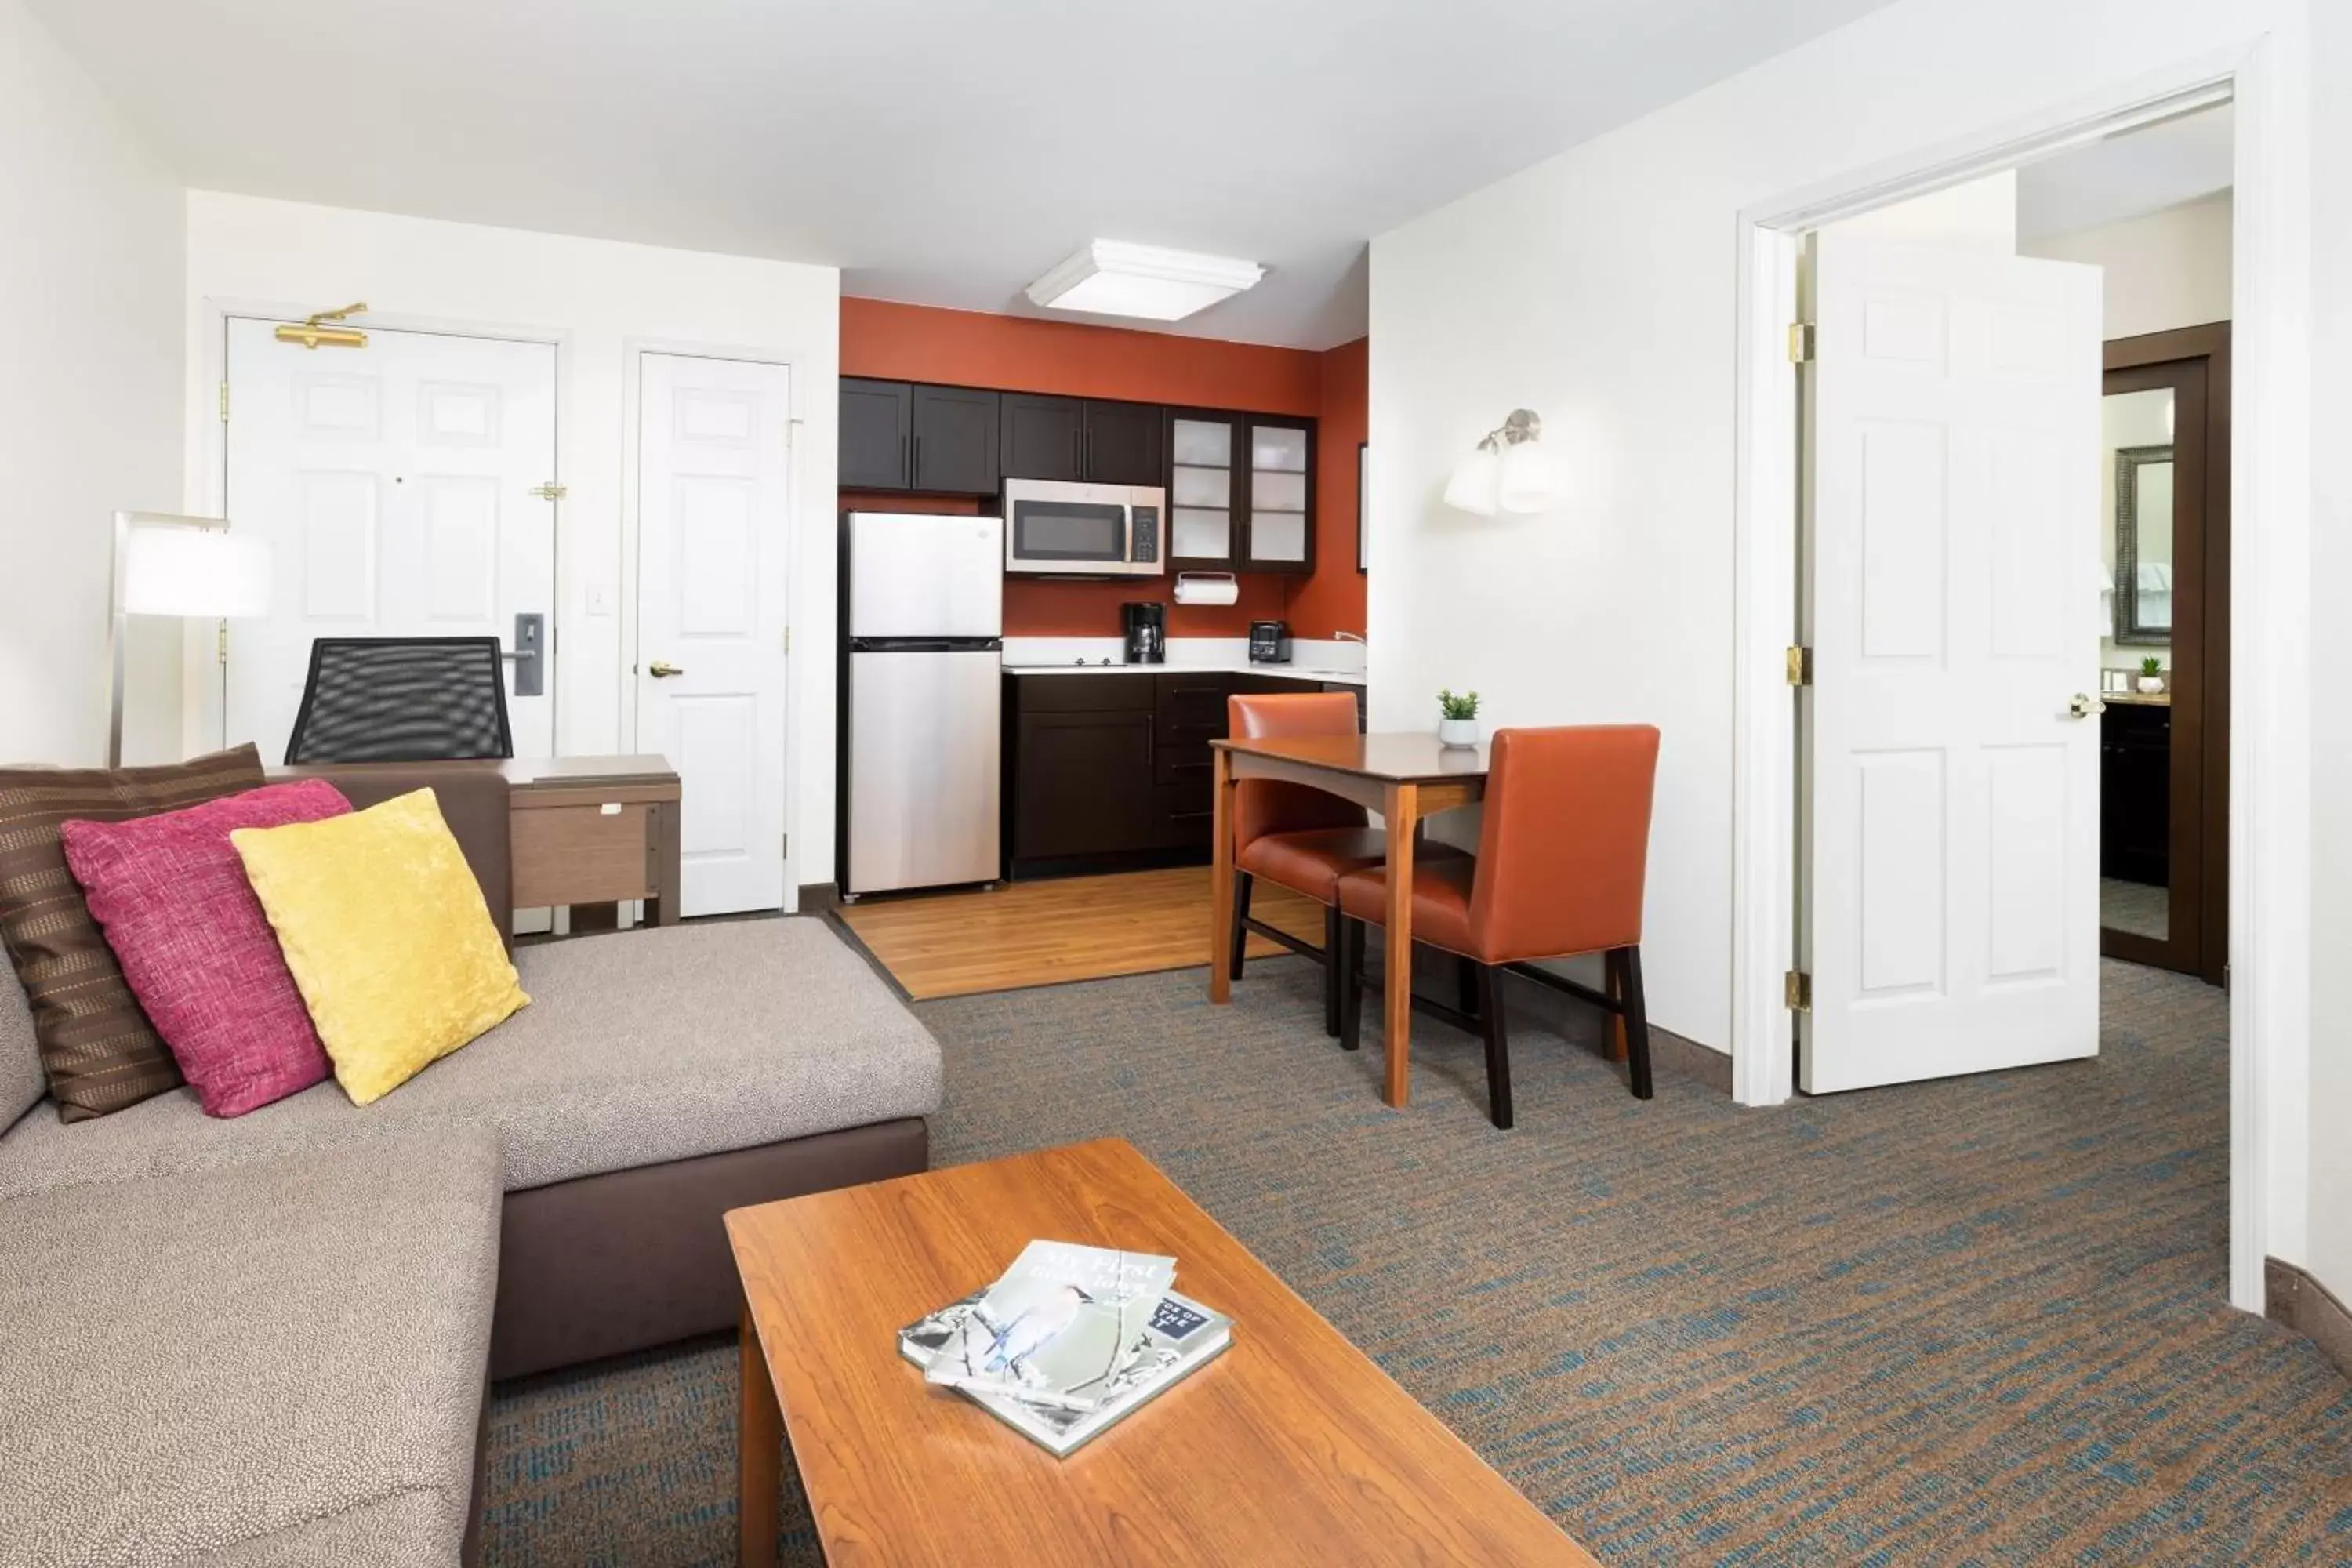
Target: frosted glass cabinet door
column 1281, row 507
column 1203, row 530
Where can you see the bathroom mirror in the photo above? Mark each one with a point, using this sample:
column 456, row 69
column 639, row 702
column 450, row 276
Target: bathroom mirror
column 2144, row 552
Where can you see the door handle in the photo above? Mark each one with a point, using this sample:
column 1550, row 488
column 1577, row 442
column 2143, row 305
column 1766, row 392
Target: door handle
column 2082, row 705
column 661, row 670
column 530, row 667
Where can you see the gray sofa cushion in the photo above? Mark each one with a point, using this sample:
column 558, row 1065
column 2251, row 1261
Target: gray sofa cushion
column 217, row 1367
column 22, row 1081
column 638, row 1048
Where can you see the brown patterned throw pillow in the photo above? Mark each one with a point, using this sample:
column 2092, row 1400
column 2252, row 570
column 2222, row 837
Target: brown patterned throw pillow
column 97, row 1046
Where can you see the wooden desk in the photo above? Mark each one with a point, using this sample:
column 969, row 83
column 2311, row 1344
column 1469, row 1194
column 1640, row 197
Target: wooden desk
column 1291, row 1447
column 595, row 830
column 1402, row 777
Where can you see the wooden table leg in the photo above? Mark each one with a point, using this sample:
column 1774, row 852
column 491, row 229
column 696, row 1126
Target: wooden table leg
column 1221, row 876
column 1403, row 813
column 759, row 1459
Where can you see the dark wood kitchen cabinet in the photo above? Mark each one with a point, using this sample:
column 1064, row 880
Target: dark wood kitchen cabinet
column 877, row 427
column 1099, row 442
column 955, row 431
column 899, row 436
column 1111, row 772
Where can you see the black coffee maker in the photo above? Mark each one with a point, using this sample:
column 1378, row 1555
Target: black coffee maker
column 1145, row 627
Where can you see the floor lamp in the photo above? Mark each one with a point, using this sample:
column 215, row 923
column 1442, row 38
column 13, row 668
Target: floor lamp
column 191, row 567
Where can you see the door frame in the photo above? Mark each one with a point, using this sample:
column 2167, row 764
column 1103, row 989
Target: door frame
column 2200, row 727
column 2270, row 830
column 202, row 700
column 794, row 363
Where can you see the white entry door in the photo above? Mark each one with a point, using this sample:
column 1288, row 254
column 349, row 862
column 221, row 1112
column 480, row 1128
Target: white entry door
column 396, row 482
column 1950, row 736
column 714, row 520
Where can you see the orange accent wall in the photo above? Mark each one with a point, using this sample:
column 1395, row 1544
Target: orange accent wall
column 919, row 342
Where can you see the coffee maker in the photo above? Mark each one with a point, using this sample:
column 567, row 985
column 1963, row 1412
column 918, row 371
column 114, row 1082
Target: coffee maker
column 1145, row 628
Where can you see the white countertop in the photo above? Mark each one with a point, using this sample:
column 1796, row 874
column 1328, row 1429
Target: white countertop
column 1292, row 671
column 1310, row 659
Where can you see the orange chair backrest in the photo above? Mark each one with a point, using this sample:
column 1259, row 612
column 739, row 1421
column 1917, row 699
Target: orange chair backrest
column 1565, row 844
column 1272, row 805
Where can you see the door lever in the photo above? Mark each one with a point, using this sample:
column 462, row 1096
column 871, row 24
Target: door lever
column 2082, row 705
column 662, row 670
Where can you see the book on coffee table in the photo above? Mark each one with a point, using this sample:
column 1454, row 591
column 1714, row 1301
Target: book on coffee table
column 1057, row 1326
column 1175, row 1337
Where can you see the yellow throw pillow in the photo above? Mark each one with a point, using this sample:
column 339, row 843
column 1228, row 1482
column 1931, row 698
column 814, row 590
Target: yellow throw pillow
column 387, row 936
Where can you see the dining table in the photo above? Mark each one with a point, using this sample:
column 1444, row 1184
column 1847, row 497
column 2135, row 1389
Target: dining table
column 1406, row 778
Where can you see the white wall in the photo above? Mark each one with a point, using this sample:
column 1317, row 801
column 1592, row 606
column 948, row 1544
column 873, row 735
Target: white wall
column 2165, row 269
column 1599, row 287
column 1979, row 216
column 2329, row 1212
column 90, row 405
column 597, row 296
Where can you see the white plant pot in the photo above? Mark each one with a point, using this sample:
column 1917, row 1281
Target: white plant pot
column 2151, row 684
column 1457, row 731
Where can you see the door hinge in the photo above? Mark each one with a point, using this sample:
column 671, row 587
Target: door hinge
column 788, row 639
column 791, row 434
column 784, row 845
column 224, row 402
column 1801, row 666
column 222, row 644
column 551, row 491
column 1797, row 990
column 1800, row 343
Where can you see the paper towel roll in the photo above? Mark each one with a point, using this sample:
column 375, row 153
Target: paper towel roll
column 1207, row 588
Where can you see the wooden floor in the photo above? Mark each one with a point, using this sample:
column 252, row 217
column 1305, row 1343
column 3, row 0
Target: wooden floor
column 1058, row 928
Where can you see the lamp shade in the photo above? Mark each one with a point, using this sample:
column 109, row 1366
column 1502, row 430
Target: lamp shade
column 1528, row 482
column 1477, row 483
column 197, row 571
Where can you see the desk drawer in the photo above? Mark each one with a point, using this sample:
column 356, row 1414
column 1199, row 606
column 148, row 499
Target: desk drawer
column 583, row 854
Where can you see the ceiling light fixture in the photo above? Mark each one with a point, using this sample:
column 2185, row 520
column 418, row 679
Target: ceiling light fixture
column 1112, row 277
column 1508, row 472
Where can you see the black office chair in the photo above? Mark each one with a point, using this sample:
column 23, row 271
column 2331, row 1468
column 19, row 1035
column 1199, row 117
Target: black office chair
column 401, row 699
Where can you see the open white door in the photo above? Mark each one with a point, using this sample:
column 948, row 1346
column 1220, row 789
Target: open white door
column 1950, row 853
column 714, row 522
column 397, row 483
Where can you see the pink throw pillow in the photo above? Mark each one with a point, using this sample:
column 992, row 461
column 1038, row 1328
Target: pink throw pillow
column 171, row 894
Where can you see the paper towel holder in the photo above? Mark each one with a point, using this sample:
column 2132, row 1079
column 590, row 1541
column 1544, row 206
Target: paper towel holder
column 1208, row 588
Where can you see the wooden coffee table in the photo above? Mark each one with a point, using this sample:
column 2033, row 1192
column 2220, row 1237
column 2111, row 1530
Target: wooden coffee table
column 1291, row 1447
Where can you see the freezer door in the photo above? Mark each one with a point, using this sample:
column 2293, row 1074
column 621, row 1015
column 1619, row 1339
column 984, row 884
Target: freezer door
column 923, row 769
column 912, row 576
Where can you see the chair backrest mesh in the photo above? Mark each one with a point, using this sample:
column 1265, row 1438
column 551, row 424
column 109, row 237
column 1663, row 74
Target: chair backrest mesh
column 401, row 699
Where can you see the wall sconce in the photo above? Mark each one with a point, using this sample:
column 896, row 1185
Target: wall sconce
column 1508, row 472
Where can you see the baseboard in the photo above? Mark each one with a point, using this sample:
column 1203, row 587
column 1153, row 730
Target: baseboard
column 2292, row 1297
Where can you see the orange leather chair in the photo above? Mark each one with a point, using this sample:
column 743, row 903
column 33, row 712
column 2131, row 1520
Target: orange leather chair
column 1561, row 857
column 1300, row 837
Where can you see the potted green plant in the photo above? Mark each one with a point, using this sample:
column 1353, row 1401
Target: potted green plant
column 1457, row 719
column 2151, row 675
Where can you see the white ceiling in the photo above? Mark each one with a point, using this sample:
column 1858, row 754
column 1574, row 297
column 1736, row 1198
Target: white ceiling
column 939, row 152
column 2126, row 176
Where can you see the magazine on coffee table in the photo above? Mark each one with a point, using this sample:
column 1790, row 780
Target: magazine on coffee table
column 1059, row 1325
column 1176, row 1337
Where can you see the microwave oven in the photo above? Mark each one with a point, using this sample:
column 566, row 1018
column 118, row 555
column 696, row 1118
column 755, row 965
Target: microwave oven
column 1095, row 530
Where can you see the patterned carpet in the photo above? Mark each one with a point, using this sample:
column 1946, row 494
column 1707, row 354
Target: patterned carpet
column 1974, row 1323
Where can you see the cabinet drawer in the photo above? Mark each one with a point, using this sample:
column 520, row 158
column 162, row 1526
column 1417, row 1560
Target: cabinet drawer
column 1117, row 693
column 1188, row 766
column 1183, row 821
column 582, row 855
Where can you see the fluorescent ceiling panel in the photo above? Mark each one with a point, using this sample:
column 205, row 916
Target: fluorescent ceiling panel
column 1110, row 278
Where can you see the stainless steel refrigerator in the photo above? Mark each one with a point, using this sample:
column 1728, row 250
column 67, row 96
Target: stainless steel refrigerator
column 923, row 618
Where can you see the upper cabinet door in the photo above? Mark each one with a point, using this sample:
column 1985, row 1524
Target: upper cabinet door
column 1044, row 437
column 1122, row 444
column 874, row 434
column 1280, row 536
column 955, row 440
column 1205, row 487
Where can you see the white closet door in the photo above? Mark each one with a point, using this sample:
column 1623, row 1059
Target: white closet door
column 714, row 519
column 1952, row 846
column 396, row 482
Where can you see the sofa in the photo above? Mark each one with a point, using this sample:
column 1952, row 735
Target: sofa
column 267, row 1340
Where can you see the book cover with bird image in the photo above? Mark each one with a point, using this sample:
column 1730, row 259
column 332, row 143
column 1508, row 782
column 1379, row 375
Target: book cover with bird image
column 1058, row 1328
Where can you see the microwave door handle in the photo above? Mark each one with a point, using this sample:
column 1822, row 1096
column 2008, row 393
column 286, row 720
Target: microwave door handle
column 1126, row 535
